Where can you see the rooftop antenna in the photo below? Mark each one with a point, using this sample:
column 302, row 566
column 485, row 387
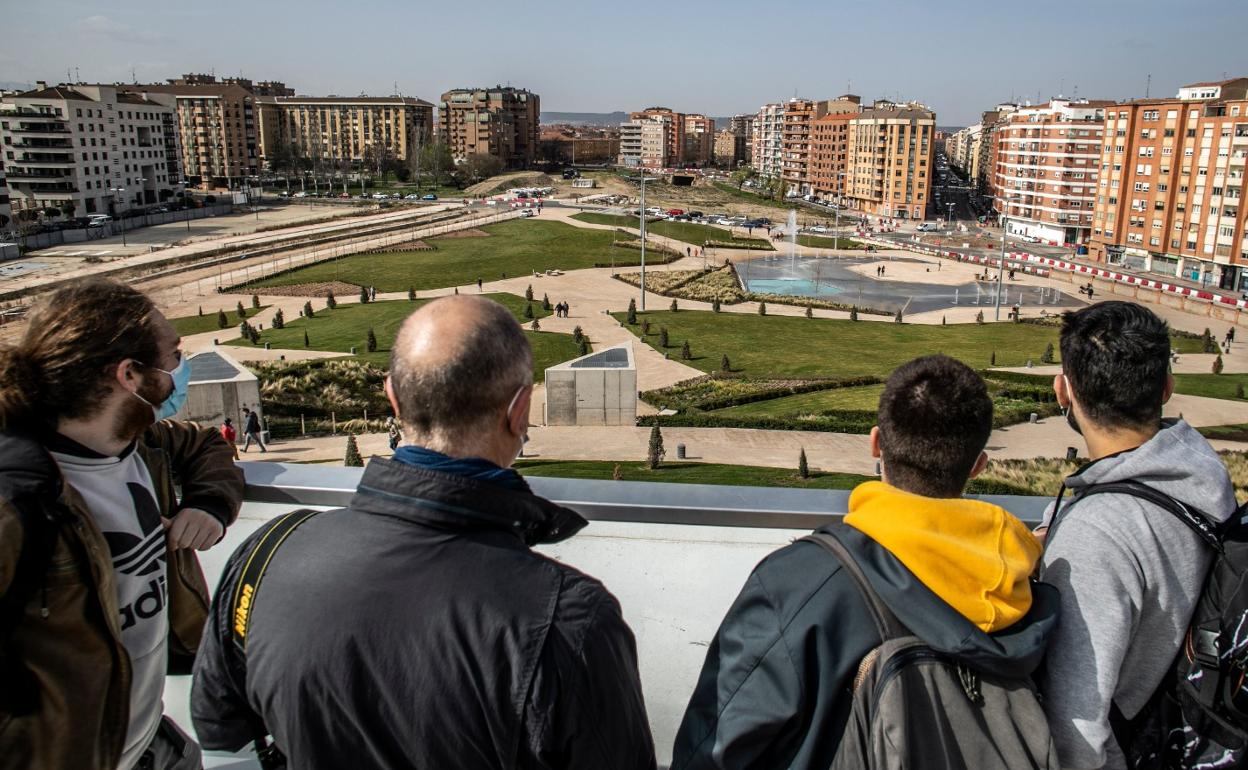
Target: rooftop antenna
column 1148, row 85
column 1061, row 88
column 133, row 78
column 77, row 75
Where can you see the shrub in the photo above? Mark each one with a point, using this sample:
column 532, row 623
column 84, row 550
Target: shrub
column 306, row 341
column 545, row 302
column 279, row 319
column 616, row 473
column 222, row 321
column 853, row 313
column 255, row 301
column 371, row 343
column 686, row 354
column 528, row 311
column 528, row 293
column 363, row 295
column 803, row 469
column 655, row 452
column 1217, row 364
column 411, row 294
column 1208, row 343
column 307, row 309
column 632, row 313
column 762, row 308
column 331, row 301
column 353, row 458
column 663, row 337
column 1239, row 391
column 578, row 335
column 201, row 310
column 536, row 325
column 583, row 348
column 725, row 365
column 645, row 328
column 242, row 312
column 715, row 305
column 674, row 307
column 810, row 312
column 992, row 360
column 1047, row 356
column 942, row 320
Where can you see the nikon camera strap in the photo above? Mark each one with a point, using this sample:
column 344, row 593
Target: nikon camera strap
column 253, row 572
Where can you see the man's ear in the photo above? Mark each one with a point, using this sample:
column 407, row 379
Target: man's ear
column 518, row 417
column 1059, row 388
column 126, row 375
column 1168, row 390
column 394, row 402
column 875, row 442
column 981, row 463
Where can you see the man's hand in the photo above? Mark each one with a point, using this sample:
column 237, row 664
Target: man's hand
column 193, row 528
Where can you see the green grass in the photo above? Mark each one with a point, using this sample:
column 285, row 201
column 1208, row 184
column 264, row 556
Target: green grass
column 1226, row 432
column 347, row 325
column 865, row 398
column 749, row 197
column 1209, row 385
column 820, row 242
column 198, row 324
column 516, row 248
column 688, row 232
column 691, row 473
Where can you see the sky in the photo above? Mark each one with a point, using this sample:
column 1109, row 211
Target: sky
column 718, row 57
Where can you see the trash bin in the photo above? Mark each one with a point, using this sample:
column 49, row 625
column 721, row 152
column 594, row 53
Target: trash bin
column 1072, row 453
column 1033, row 417
column 680, row 451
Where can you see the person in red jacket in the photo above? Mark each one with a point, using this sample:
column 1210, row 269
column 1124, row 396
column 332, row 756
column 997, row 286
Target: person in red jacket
column 230, row 435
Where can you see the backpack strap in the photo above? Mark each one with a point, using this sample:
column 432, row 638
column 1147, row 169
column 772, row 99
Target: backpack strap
column 886, row 623
column 1209, row 531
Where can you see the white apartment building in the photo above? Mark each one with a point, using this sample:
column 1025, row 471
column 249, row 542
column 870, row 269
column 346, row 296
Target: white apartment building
column 86, row 149
column 768, row 140
column 6, row 212
column 1046, row 169
column 644, row 142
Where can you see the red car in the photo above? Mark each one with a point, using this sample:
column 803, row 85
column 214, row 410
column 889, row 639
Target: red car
column 675, row 212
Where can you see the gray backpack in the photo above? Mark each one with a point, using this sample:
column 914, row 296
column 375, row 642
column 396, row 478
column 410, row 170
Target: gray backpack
column 919, row 709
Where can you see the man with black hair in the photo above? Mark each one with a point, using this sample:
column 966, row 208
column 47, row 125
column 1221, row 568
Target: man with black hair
column 1129, row 572
column 776, row 688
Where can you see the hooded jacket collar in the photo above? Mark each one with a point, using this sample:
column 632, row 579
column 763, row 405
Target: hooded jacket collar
column 452, row 502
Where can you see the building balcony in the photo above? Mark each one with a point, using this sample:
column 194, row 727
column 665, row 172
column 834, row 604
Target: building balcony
column 45, row 127
column 16, row 172
column 46, row 145
column 42, row 159
column 675, row 555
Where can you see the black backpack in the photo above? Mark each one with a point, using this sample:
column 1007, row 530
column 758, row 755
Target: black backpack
column 1198, row 717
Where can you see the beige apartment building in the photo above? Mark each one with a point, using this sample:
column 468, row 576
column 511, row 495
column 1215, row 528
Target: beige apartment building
column 1169, row 195
column 729, row 148
column 768, row 140
column 1046, row 169
column 699, row 147
column 87, row 149
column 890, row 160
column 797, row 141
column 501, row 121
column 363, row 131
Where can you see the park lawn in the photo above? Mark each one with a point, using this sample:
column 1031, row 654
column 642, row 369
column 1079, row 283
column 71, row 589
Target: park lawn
column 346, row 326
column 1210, row 385
column 1225, row 432
column 792, row 346
column 198, row 324
column 820, row 242
column 862, row 398
column 690, row 473
column 515, row 248
column 688, row 232
column 750, row 197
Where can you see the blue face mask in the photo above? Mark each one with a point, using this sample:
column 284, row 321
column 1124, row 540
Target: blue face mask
column 181, row 376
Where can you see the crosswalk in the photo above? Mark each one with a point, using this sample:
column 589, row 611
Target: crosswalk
column 75, row 252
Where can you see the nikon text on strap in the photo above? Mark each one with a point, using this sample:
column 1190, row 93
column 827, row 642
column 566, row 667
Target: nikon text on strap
column 253, row 572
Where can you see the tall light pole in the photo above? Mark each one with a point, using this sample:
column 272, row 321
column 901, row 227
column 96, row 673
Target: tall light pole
column 643, row 237
column 1005, row 219
column 114, row 191
column 951, row 215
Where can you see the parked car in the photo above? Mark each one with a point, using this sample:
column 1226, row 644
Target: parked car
column 817, row 229
column 528, row 213
column 927, row 227
column 300, row 194
column 428, row 197
column 411, row 197
column 696, row 214
column 675, row 212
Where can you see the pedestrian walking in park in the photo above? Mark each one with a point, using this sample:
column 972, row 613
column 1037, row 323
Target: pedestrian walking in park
column 230, row 435
column 251, row 430
column 478, row 284
column 1230, row 337
column 396, row 435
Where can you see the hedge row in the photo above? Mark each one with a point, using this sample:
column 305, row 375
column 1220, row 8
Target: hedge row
column 740, row 244
column 670, row 396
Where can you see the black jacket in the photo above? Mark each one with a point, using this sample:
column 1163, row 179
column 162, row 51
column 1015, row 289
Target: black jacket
column 775, row 691
column 417, row 628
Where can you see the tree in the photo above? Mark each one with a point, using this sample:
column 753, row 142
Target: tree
column 307, row 309
column 992, row 360
column 762, row 308
column 255, row 301
column 655, row 452
column 897, row 318
column 222, row 321
column 331, row 301
column 242, row 312
column 1208, row 343
column 979, row 317
column 435, row 158
column 1217, row 364
column 279, row 319
column 685, row 353
column 616, row 473
column 724, row 365
column 411, row 294
column 480, row 165
column 942, row 320
column 306, row 341
column 353, row 458
column 578, row 334
column 743, row 175
column 1239, row 391
column 663, row 337
column 632, row 312
column 546, row 302
column 645, row 328
column 715, row 305
column 583, row 348
column 853, row 313
column 528, row 293
column 536, row 325
column 201, row 310
column 528, row 311
column 803, row 469
column 363, row 295
column 371, row 343
column 1047, row 356
column 810, row 311
column 674, row 307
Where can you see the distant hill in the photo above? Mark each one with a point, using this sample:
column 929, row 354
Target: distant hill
column 599, row 118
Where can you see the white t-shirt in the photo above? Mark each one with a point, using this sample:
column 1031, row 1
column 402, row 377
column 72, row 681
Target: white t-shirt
column 118, row 492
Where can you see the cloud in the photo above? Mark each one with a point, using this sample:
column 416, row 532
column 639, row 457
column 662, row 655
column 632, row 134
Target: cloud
column 104, row 27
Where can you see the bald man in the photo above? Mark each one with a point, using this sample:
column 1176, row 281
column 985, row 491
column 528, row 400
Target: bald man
column 417, row 628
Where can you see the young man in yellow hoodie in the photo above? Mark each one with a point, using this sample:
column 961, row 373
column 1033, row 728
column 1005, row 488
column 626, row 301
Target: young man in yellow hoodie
column 776, row 688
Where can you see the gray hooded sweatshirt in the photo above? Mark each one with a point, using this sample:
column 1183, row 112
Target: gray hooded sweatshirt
column 1129, row 575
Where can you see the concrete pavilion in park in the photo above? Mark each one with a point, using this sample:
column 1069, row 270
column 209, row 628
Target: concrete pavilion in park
column 595, row 389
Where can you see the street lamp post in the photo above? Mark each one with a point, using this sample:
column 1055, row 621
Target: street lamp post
column 642, row 217
column 116, row 190
column 1005, row 226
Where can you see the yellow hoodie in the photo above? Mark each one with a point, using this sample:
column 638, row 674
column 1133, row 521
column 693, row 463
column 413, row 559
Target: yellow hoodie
column 975, row 556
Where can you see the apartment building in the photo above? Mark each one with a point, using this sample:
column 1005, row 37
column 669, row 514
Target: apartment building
column 86, row 149
column 829, row 155
column 731, row 149
column 1046, row 168
column 699, row 140
column 362, row 131
column 1170, row 187
column 653, row 138
column 743, row 127
column 501, row 121
column 890, row 159
column 797, row 142
column 983, row 167
column 674, row 133
column 6, row 210
column 573, row 144
column 768, row 140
